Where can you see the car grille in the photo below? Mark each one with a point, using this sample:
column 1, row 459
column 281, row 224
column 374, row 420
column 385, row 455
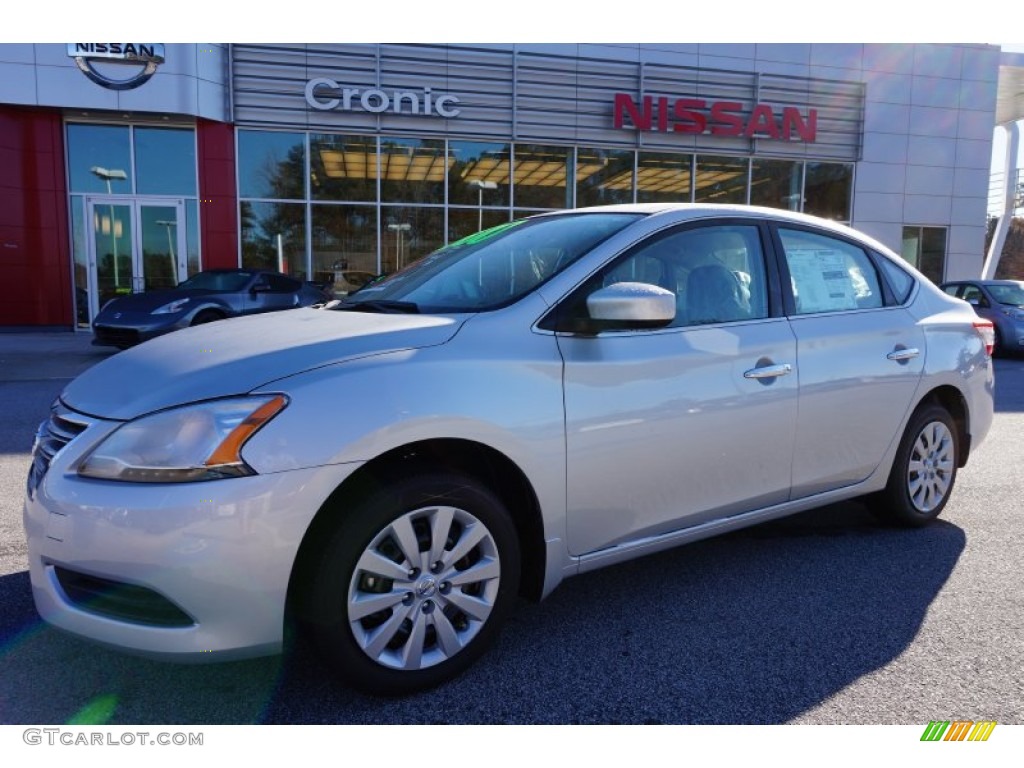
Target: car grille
column 118, row 337
column 53, row 434
column 117, row 600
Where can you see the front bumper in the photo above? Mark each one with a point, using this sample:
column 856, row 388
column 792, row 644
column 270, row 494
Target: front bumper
column 200, row 570
column 134, row 328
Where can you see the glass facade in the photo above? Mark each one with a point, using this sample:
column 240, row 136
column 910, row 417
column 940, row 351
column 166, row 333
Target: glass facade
column 323, row 204
column 134, row 205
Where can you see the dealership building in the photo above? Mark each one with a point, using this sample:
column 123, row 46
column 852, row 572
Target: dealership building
column 130, row 166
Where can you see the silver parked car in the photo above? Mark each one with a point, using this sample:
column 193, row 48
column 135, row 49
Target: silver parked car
column 533, row 402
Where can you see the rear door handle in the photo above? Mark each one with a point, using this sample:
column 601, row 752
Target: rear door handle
column 900, row 355
column 768, row 371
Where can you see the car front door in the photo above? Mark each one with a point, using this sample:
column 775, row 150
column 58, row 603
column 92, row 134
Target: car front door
column 667, row 428
column 860, row 358
column 271, row 292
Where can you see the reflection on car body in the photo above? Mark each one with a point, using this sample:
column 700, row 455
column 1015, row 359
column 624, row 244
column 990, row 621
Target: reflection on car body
column 393, row 471
column 207, row 296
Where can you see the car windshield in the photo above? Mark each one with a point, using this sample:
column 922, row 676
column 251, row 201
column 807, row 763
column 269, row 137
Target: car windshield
column 492, row 268
column 1008, row 294
column 222, row 282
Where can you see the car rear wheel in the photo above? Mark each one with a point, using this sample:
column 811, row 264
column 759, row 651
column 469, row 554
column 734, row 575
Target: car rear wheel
column 413, row 584
column 924, row 471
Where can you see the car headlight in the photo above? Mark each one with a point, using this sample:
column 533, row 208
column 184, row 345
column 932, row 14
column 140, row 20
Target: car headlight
column 182, row 445
column 175, row 306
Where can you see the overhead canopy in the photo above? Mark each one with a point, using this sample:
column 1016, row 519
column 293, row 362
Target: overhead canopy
column 1010, row 95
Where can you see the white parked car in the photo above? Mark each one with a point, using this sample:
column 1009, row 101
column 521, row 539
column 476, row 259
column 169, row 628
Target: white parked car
column 536, row 401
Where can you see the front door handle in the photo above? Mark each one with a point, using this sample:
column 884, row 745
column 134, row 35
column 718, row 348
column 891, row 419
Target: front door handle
column 901, row 355
column 768, row 371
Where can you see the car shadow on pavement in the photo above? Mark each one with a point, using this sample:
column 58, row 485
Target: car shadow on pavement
column 754, row 627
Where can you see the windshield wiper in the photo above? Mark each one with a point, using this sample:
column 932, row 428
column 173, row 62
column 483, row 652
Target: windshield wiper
column 386, row 306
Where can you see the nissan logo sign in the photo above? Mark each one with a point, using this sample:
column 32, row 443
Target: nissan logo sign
column 144, row 57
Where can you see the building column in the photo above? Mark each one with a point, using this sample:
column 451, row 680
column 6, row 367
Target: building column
column 218, row 199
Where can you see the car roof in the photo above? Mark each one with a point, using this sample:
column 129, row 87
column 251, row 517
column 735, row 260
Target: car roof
column 696, row 211
column 979, row 281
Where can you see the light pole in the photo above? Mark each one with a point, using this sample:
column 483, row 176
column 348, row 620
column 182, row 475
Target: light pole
column 170, row 246
column 480, row 187
column 108, row 175
column 398, row 229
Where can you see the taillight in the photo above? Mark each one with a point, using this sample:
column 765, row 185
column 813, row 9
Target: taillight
column 987, row 332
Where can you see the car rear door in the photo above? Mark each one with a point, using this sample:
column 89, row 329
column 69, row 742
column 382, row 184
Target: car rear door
column 671, row 427
column 860, row 357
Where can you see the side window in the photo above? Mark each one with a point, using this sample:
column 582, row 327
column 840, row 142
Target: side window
column 900, row 282
column 716, row 272
column 828, row 274
column 952, row 290
column 973, row 294
column 282, row 284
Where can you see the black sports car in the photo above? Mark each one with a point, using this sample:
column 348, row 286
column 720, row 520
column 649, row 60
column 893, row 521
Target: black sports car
column 206, row 296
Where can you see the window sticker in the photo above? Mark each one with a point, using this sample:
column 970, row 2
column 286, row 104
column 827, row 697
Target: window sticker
column 821, row 281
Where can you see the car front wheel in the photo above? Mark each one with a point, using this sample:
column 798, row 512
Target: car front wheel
column 924, row 471
column 414, row 583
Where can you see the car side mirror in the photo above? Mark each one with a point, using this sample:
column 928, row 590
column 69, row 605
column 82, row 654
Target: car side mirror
column 629, row 306
column 260, row 287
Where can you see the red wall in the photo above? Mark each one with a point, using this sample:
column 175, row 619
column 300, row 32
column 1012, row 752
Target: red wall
column 218, row 203
column 35, row 257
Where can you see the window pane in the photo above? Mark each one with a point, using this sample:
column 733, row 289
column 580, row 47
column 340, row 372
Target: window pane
column 776, row 184
column 274, row 237
column 99, row 159
column 828, row 190
column 925, row 248
column 663, row 178
column 408, row 234
column 464, row 222
column 604, row 176
column 541, row 176
column 933, row 253
column 344, row 246
column 192, row 235
column 165, row 161
column 829, row 275
column 412, row 170
column 479, row 173
column 721, row 179
column 271, row 164
column 343, row 167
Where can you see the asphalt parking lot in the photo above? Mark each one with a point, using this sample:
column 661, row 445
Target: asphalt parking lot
column 822, row 618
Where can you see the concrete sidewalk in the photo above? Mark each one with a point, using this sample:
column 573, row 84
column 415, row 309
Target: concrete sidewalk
column 46, row 355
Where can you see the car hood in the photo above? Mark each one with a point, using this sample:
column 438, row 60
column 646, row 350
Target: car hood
column 235, row 356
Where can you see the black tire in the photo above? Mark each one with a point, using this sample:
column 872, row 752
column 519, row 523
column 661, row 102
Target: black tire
column 429, row 626
column 207, row 316
column 924, row 471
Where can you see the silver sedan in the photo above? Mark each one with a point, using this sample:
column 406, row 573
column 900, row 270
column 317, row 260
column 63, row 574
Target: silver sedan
column 538, row 400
